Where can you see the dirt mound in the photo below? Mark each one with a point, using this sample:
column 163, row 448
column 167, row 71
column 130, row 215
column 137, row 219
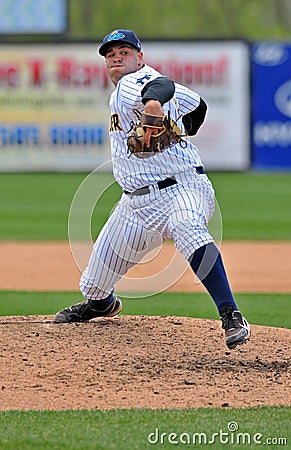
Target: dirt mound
column 138, row 362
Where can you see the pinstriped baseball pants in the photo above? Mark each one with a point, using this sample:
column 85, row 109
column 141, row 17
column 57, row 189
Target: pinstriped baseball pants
column 140, row 223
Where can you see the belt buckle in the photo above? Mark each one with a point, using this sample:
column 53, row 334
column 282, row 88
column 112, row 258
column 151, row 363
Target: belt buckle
column 142, row 191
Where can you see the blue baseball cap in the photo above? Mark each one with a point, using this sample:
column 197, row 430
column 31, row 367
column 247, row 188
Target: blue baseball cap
column 126, row 36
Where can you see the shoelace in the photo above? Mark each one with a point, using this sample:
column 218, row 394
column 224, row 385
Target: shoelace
column 228, row 322
column 78, row 309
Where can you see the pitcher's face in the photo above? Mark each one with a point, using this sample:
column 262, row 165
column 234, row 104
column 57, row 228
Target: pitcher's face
column 122, row 59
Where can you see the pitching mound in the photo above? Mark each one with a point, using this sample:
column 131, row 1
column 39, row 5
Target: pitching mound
column 138, row 362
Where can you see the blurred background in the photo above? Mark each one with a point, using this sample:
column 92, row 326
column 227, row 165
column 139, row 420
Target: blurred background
column 54, row 90
column 154, row 19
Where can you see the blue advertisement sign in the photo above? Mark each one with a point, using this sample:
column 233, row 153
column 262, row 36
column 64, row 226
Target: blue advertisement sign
column 271, row 105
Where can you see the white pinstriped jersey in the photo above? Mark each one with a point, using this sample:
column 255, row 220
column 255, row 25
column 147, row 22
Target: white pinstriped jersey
column 131, row 172
column 140, row 223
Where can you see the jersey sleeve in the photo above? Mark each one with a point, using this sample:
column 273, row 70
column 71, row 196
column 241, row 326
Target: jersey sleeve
column 188, row 100
column 161, row 89
column 192, row 107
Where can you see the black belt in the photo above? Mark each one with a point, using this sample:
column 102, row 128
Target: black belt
column 161, row 184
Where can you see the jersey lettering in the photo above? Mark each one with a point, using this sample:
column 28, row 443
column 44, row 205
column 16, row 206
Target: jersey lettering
column 115, row 123
column 140, row 80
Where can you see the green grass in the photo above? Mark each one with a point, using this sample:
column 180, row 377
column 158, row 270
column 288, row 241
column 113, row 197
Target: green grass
column 254, row 205
column 261, row 309
column 36, row 206
column 141, row 429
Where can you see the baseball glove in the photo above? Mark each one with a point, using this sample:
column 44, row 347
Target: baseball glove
column 168, row 135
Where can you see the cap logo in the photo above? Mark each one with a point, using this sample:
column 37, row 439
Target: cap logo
column 115, row 35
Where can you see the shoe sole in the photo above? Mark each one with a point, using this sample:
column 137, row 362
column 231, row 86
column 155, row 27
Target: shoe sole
column 233, row 345
column 242, row 340
column 114, row 313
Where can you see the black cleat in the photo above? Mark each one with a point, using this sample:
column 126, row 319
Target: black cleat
column 237, row 329
column 82, row 312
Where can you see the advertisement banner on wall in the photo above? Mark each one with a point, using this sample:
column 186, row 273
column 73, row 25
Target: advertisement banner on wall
column 271, row 105
column 53, row 108
column 54, row 112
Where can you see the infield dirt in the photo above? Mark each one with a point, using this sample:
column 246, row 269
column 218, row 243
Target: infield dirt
column 138, row 361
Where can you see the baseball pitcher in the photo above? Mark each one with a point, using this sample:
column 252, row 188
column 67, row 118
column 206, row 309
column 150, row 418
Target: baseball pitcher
column 166, row 192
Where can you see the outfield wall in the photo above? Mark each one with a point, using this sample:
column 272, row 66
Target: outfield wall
column 54, row 112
